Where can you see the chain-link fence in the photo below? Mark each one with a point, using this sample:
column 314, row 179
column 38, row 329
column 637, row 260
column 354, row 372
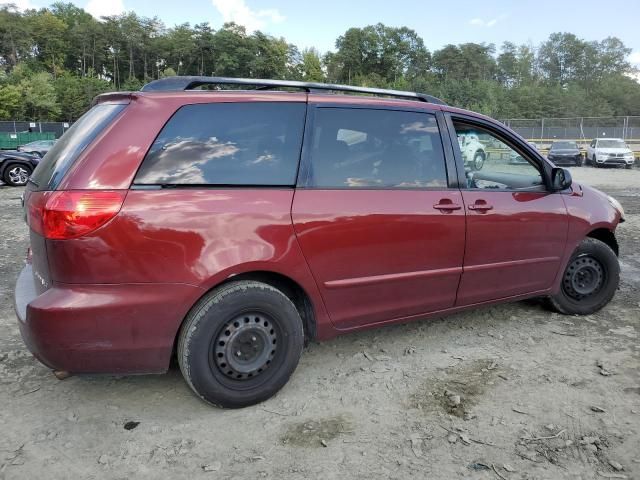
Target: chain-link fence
column 581, row 129
column 16, row 133
column 57, row 128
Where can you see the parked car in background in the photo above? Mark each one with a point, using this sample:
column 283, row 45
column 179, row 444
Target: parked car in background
column 39, row 147
column 515, row 158
column 473, row 151
column 15, row 167
column 236, row 225
column 609, row 151
column 565, row 152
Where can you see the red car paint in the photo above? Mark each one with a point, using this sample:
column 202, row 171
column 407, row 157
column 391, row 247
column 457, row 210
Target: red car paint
column 114, row 299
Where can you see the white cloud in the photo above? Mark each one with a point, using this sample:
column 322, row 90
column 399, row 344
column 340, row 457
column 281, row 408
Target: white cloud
column 481, row 22
column 635, row 57
column 239, row 12
column 105, row 8
column 21, row 5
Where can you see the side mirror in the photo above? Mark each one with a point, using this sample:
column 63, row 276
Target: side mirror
column 560, row 179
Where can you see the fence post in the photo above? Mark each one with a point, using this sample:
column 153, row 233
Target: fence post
column 542, row 129
column 626, row 128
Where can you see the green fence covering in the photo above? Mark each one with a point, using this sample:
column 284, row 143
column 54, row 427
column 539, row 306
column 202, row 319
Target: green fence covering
column 10, row 141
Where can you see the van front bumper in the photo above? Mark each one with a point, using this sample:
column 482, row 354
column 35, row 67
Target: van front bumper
column 103, row 328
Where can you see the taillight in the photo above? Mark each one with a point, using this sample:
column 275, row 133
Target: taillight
column 74, row 213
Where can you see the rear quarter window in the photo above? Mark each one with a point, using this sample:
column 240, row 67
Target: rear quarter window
column 52, row 168
column 227, row 144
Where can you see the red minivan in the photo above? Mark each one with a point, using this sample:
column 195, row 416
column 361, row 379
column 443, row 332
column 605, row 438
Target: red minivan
column 228, row 227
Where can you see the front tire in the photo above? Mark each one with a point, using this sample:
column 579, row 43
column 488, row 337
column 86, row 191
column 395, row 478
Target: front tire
column 16, row 174
column 240, row 344
column 478, row 161
column 589, row 281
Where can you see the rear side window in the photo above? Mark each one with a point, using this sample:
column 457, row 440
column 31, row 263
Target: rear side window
column 227, row 144
column 365, row 148
column 66, row 151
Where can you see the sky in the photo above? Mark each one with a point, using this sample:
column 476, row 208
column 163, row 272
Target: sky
column 439, row 23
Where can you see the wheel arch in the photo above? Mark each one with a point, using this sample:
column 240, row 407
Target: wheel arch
column 292, row 289
column 606, row 236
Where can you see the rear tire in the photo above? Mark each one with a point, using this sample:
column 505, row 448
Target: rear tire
column 240, row 344
column 589, row 281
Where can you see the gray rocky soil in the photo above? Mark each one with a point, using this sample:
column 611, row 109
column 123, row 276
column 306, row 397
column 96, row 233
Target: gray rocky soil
column 506, row 392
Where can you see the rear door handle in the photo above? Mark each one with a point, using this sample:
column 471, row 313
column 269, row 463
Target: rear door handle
column 481, row 206
column 447, row 206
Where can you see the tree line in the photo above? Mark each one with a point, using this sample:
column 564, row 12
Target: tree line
column 53, row 61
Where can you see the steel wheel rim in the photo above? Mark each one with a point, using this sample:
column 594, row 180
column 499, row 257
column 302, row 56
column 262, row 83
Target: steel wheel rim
column 479, row 162
column 18, row 175
column 245, row 346
column 584, row 277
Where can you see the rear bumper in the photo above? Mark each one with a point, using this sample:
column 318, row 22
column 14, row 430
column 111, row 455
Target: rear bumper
column 128, row 328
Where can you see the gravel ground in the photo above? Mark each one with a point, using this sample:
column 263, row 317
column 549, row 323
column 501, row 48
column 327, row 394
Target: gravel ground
column 508, row 392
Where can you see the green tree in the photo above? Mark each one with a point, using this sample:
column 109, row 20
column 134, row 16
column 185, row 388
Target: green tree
column 49, row 38
column 39, row 97
column 387, row 53
column 10, row 102
column 75, row 93
column 311, row 66
column 15, row 36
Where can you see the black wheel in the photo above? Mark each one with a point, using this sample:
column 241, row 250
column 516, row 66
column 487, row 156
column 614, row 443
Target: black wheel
column 478, row 161
column 16, row 174
column 629, row 166
column 593, row 162
column 240, row 344
column 589, row 281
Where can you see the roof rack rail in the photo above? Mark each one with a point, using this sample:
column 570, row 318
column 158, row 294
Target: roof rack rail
column 190, row 82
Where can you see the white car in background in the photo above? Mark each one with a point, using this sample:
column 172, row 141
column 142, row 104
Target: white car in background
column 473, row 151
column 609, row 151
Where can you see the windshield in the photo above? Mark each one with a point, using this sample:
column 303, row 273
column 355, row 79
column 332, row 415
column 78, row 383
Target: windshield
column 611, row 144
column 68, row 148
column 564, row 145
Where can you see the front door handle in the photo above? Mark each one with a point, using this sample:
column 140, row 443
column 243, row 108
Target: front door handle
column 481, row 206
column 447, row 207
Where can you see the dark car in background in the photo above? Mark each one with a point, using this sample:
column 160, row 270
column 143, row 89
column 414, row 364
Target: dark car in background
column 39, row 147
column 565, row 152
column 16, row 167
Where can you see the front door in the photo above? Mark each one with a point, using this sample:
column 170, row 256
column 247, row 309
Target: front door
column 380, row 229
column 516, row 228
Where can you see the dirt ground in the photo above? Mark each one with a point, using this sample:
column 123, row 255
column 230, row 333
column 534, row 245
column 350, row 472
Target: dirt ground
column 508, row 392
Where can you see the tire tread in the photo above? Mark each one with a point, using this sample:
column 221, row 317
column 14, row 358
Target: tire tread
column 198, row 315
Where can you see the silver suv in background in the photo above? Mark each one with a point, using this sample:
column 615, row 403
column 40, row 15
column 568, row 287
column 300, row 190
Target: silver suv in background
column 609, row 151
column 39, row 147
